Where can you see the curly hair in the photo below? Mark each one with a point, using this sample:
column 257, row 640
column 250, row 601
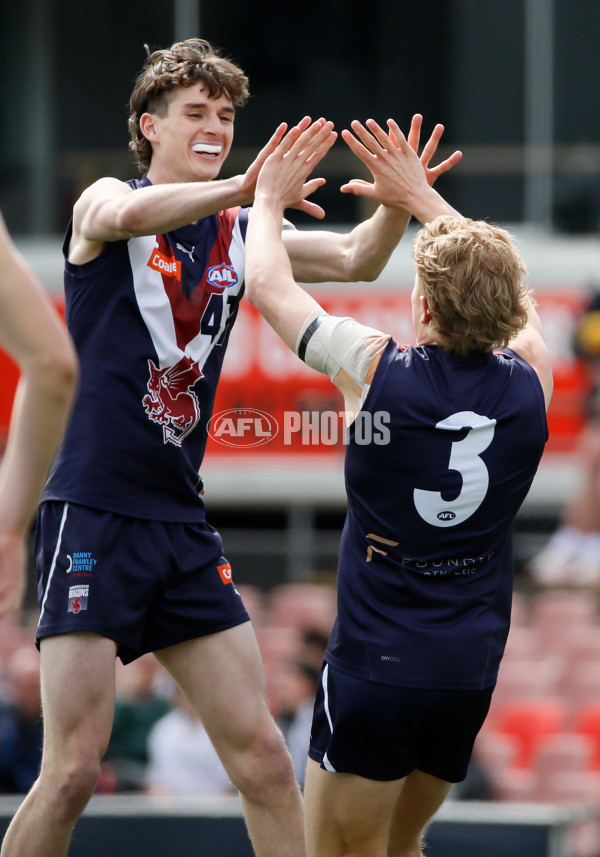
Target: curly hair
column 183, row 64
column 472, row 277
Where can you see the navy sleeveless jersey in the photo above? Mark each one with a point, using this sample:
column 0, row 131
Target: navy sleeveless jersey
column 150, row 318
column 437, row 464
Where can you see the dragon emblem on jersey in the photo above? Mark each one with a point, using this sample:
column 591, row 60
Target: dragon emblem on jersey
column 171, row 401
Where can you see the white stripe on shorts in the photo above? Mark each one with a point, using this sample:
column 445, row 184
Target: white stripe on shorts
column 326, row 763
column 54, row 558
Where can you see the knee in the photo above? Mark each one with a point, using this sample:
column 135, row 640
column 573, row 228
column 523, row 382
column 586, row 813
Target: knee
column 71, row 786
column 263, row 765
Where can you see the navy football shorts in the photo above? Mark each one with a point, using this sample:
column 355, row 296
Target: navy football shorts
column 383, row 732
column 145, row 584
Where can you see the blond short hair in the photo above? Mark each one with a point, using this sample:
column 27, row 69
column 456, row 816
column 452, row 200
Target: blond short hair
column 473, row 279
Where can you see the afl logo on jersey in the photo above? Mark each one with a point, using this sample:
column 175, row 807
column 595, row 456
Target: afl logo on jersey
column 446, row 516
column 222, row 276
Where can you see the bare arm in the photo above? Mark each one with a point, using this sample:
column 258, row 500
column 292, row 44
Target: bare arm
column 109, row 210
column 417, row 196
column 531, row 346
column 270, row 283
column 363, row 253
column 32, row 333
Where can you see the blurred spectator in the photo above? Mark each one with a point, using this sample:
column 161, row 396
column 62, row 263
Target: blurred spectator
column 312, row 648
column 182, row 759
column 21, row 722
column 297, row 688
column 140, row 703
column 572, row 554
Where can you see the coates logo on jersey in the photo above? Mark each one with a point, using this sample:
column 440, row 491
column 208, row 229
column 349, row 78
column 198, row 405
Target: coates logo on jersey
column 243, row 427
column 225, row 572
column 222, row 276
column 78, row 598
column 167, row 265
column 171, row 402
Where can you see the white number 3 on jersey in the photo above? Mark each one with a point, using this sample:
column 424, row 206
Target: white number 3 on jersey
column 464, row 457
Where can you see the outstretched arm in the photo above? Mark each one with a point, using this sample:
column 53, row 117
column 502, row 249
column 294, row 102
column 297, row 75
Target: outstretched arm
column 31, row 332
column 109, row 210
column 406, row 176
column 346, row 351
column 270, row 283
column 363, row 253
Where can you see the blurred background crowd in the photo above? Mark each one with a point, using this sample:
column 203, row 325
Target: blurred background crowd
column 541, row 742
column 158, row 746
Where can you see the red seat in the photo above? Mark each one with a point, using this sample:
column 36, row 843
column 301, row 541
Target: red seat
column 587, row 722
column 531, row 722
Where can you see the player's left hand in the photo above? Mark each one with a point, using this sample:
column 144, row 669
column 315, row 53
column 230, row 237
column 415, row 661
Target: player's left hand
column 385, row 155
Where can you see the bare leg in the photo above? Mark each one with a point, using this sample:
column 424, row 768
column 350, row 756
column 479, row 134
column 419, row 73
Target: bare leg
column 78, row 690
column 421, row 796
column 349, row 815
column 346, row 814
column 222, row 677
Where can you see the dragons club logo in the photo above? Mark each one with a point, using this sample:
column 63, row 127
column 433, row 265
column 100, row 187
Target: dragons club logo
column 171, row 401
column 78, row 598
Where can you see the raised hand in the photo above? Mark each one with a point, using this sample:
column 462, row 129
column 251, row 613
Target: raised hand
column 393, row 161
column 251, row 175
column 284, row 173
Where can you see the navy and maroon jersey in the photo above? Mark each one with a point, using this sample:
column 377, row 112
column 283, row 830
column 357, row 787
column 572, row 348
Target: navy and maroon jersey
column 425, row 567
column 150, row 318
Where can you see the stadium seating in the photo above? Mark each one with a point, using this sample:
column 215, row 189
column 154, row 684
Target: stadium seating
column 531, row 722
column 541, row 741
column 565, row 752
column 528, row 678
column 587, row 722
